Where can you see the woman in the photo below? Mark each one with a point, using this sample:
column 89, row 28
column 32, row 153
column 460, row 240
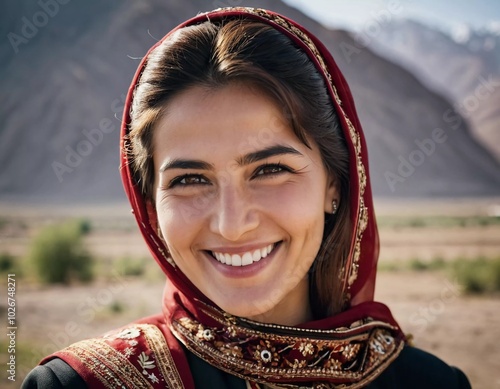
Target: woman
column 246, row 168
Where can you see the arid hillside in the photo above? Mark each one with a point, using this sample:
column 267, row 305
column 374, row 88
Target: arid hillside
column 63, row 84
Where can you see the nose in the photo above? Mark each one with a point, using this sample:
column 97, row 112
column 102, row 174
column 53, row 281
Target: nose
column 234, row 214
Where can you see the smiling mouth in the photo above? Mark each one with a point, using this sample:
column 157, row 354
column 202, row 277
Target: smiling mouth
column 244, row 259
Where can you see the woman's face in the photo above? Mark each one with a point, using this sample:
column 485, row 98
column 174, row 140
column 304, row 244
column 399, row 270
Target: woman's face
column 240, row 201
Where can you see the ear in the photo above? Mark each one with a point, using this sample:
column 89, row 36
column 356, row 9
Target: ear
column 332, row 193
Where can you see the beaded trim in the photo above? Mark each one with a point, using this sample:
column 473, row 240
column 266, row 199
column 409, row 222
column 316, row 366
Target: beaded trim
column 349, row 357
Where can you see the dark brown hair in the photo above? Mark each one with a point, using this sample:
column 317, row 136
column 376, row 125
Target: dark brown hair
column 215, row 54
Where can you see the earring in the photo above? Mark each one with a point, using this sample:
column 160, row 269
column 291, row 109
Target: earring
column 334, row 207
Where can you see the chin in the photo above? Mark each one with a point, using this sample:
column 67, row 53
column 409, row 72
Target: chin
column 253, row 310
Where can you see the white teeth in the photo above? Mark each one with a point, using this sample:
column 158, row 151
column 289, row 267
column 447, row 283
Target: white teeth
column 244, row 259
column 263, row 252
column 236, row 260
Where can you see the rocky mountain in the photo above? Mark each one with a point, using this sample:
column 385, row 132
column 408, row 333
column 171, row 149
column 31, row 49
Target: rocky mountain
column 464, row 66
column 66, row 67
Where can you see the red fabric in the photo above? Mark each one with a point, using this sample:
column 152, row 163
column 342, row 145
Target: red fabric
column 180, row 294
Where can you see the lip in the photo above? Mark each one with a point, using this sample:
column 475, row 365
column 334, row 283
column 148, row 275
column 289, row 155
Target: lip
column 243, row 271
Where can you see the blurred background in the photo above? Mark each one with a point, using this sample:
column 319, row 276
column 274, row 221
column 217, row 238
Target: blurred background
column 426, row 80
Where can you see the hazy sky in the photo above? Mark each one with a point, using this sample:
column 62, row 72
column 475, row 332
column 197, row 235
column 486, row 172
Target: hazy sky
column 446, row 14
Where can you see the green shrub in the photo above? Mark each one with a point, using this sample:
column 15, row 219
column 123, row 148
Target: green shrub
column 6, row 262
column 3, row 222
column 131, row 266
column 59, row 256
column 84, row 226
column 438, row 263
column 417, row 222
column 418, row 265
column 479, row 276
column 117, row 307
column 437, row 221
column 388, row 266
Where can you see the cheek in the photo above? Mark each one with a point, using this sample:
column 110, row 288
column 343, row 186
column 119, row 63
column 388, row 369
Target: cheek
column 294, row 202
column 299, row 211
column 178, row 223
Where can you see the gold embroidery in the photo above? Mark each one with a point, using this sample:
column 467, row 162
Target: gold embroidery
column 110, row 367
column 111, row 362
column 156, row 342
column 358, row 353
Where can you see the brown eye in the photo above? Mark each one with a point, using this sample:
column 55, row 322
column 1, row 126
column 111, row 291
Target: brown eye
column 270, row 169
column 192, row 180
column 188, row 180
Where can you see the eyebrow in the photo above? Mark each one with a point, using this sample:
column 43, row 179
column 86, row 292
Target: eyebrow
column 271, row 151
column 247, row 159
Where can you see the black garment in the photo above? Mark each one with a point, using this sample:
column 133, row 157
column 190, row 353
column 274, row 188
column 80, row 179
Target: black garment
column 413, row 369
column 55, row 374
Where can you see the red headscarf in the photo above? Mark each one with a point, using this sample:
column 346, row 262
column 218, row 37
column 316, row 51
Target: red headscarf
column 359, row 281
column 350, row 348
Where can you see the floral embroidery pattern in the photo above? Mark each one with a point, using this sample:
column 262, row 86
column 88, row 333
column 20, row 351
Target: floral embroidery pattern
column 240, row 346
column 145, row 363
column 306, row 349
column 130, row 336
column 134, row 357
column 128, row 352
column 153, row 378
column 128, row 333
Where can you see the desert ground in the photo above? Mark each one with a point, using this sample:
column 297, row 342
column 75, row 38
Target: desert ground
column 431, row 305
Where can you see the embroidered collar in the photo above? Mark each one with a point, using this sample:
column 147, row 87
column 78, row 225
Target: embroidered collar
column 264, row 353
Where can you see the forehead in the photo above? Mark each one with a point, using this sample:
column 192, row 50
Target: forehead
column 234, row 117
